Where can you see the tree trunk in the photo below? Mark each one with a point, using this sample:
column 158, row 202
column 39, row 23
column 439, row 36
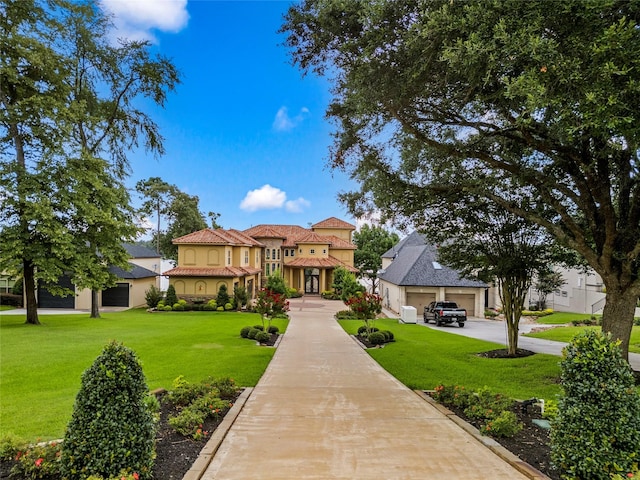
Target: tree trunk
column 31, row 303
column 95, row 311
column 617, row 316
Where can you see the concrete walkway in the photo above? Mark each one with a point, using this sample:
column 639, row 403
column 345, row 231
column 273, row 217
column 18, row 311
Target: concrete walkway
column 325, row 410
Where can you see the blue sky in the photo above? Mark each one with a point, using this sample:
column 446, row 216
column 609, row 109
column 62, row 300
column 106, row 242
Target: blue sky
column 245, row 132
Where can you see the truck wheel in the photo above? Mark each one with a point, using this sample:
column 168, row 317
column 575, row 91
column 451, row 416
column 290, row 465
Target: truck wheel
column 461, row 324
column 438, row 322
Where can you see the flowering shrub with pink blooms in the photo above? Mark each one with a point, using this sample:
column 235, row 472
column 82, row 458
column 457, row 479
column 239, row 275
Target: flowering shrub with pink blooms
column 365, row 306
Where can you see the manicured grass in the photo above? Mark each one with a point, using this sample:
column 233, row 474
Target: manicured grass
column 41, row 366
column 566, row 334
column 562, row 317
column 422, row 358
column 6, row 307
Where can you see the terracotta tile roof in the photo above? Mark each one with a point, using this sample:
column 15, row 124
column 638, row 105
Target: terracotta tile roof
column 328, row 262
column 333, row 222
column 337, row 242
column 218, row 237
column 313, row 237
column 293, row 235
column 211, row 272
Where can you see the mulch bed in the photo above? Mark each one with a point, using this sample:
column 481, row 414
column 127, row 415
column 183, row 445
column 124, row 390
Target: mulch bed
column 175, row 454
column 532, row 443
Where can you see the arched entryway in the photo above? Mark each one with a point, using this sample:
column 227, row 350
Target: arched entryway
column 312, row 280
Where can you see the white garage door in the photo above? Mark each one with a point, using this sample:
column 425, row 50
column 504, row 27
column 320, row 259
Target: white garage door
column 464, row 300
column 420, row 300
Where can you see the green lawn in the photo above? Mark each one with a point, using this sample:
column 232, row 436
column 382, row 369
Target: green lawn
column 41, row 366
column 566, row 334
column 421, row 358
column 562, row 317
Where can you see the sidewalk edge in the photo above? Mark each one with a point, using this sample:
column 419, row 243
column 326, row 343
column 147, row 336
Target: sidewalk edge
column 211, row 447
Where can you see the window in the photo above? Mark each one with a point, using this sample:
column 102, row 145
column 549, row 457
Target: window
column 228, row 257
column 286, row 253
column 278, row 254
column 267, row 269
column 324, row 251
column 268, row 252
column 312, row 251
column 246, row 257
column 436, row 266
column 293, row 252
column 273, row 268
column 273, row 254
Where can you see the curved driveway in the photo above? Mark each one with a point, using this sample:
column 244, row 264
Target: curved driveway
column 325, row 410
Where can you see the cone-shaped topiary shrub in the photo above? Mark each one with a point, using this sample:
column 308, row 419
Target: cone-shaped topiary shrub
column 597, row 430
column 111, row 429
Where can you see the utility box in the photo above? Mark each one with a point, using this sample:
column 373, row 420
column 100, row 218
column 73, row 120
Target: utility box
column 408, row 314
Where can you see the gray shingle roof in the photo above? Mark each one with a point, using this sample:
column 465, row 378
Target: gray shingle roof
column 414, row 266
column 138, row 251
column 135, row 271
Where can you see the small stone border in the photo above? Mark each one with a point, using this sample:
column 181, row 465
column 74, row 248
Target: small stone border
column 211, row 447
column 523, row 467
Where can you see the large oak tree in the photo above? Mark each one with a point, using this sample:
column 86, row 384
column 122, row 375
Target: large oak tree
column 531, row 105
column 69, row 119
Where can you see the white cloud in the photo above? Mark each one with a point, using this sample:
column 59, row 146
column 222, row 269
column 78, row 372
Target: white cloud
column 270, row 198
column 297, row 206
column 264, row 198
column 283, row 122
column 134, row 19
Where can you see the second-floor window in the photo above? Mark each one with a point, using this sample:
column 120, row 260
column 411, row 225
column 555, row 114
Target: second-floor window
column 273, row 254
column 246, row 257
column 312, row 251
column 268, row 253
column 286, row 253
column 229, row 257
column 293, row 252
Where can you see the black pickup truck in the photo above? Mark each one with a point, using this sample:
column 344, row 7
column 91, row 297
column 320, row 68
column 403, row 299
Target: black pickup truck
column 444, row 312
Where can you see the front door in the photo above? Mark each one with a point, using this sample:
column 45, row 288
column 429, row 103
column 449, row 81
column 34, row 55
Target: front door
column 312, row 280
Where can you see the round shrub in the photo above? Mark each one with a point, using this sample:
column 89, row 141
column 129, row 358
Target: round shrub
column 228, row 306
column 273, row 329
column 262, row 337
column 220, row 309
column 389, row 335
column 596, row 432
column 212, row 303
column 377, row 338
column 160, row 305
column 259, row 327
column 182, row 302
column 178, row 307
column 111, row 428
column 244, row 333
column 167, row 308
column 252, row 333
column 362, row 329
column 208, row 308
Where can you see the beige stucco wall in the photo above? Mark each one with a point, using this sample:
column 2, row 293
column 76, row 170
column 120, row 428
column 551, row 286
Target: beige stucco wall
column 344, row 255
column 204, row 255
column 344, row 234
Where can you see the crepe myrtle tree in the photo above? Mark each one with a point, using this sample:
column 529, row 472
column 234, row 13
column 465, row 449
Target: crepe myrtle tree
column 529, row 105
column 495, row 246
column 269, row 304
column 365, row 306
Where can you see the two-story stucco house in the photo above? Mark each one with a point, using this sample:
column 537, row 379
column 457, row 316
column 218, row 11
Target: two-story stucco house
column 304, row 257
column 208, row 259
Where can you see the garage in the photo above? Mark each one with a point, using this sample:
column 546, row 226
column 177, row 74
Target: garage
column 420, row 300
column 464, row 300
column 46, row 299
column 117, row 296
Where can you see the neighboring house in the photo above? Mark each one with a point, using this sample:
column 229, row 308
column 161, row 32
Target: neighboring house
column 129, row 291
column 411, row 275
column 582, row 292
column 304, row 257
column 208, row 259
column 6, row 282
